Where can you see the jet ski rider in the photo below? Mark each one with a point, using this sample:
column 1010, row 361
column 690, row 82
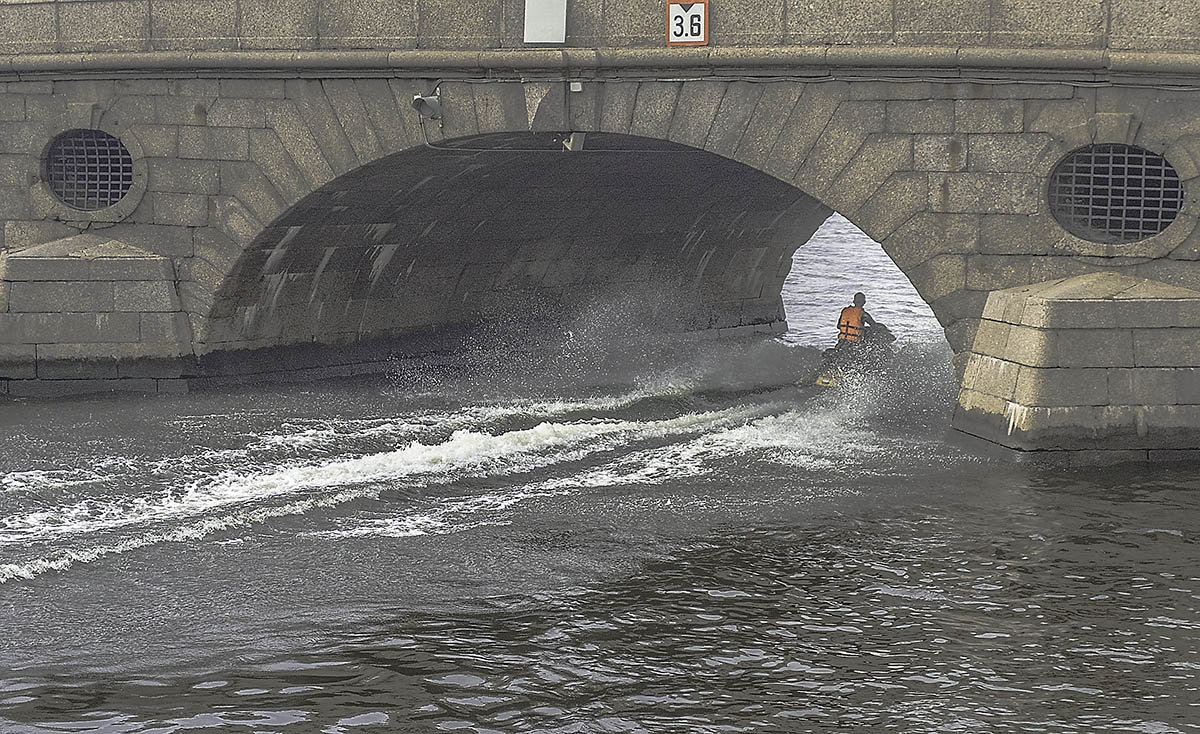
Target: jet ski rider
column 853, row 323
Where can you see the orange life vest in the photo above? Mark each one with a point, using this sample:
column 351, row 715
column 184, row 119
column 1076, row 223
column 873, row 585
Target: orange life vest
column 850, row 324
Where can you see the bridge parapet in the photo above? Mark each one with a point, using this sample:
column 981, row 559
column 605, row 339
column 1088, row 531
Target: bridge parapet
column 69, row 26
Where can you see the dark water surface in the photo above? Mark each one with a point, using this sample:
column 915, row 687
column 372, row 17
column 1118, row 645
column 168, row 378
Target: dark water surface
column 683, row 546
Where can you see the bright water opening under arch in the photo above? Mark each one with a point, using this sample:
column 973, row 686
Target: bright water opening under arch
column 838, row 261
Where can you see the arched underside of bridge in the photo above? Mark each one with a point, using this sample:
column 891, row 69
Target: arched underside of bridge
column 512, row 227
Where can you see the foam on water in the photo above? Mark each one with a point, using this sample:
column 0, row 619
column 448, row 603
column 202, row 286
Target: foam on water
column 812, row 440
column 43, row 479
column 799, row 438
column 465, row 452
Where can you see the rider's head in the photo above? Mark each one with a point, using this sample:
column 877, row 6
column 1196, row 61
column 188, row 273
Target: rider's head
column 860, row 299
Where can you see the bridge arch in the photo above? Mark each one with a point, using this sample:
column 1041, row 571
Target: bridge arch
column 334, row 237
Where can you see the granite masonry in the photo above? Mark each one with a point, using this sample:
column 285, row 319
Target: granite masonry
column 284, row 206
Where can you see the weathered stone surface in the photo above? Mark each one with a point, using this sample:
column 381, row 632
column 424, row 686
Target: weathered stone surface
column 879, row 157
column 351, row 113
column 808, row 119
column 1142, row 387
column 12, row 107
column 989, row 116
column 732, row 118
column 296, row 141
column 1081, row 384
column 173, row 110
column 921, row 116
column 18, row 361
column 818, row 22
column 145, row 296
column 839, row 142
column 1032, row 23
column 997, row 272
column 900, row 198
column 1016, row 153
column 213, row 143
column 247, row 183
column 930, row 22
column 292, row 181
column 1153, row 26
column 70, row 328
column 177, row 176
column 500, row 107
column 157, row 141
column 694, row 113
column 315, row 112
column 1061, row 387
column 984, row 193
column 939, row 276
column 546, row 108
column 385, row 116
column 60, row 297
column 927, row 235
column 1171, row 347
column 372, row 24
column 358, row 24
column 29, row 28
column 741, row 25
column 992, row 376
column 454, row 25
column 281, row 23
column 654, row 108
column 86, row 257
column 773, row 111
column 120, row 25
column 165, row 328
column 183, row 210
column 57, row 388
column 183, row 24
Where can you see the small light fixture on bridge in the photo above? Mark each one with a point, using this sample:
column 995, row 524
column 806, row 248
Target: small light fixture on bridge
column 430, row 107
column 573, row 142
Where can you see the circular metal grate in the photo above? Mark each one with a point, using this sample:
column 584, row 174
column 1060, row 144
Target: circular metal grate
column 89, row 169
column 1115, row 193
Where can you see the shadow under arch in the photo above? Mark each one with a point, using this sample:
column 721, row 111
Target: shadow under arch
column 435, row 240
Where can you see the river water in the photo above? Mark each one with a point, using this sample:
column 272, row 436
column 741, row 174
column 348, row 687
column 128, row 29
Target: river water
column 578, row 545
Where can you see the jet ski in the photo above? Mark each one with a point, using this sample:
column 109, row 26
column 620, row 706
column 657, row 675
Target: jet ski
column 873, row 354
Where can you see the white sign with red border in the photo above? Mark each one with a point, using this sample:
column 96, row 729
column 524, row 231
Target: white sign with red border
column 687, row 24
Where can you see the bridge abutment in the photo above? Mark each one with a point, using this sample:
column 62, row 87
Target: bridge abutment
column 1095, row 362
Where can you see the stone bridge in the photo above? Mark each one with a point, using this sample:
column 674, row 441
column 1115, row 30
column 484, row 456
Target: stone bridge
column 190, row 191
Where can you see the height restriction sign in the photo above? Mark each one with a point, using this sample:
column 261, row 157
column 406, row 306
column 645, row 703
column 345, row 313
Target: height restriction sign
column 687, row 24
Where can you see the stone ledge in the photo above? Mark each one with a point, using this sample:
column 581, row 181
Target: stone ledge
column 1073, row 428
column 921, row 59
column 86, row 258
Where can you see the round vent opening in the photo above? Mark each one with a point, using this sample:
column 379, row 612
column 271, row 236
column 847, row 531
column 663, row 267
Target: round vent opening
column 89, row 169
column 1114, row 193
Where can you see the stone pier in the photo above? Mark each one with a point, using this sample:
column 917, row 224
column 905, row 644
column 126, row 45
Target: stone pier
column 1095, row 362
